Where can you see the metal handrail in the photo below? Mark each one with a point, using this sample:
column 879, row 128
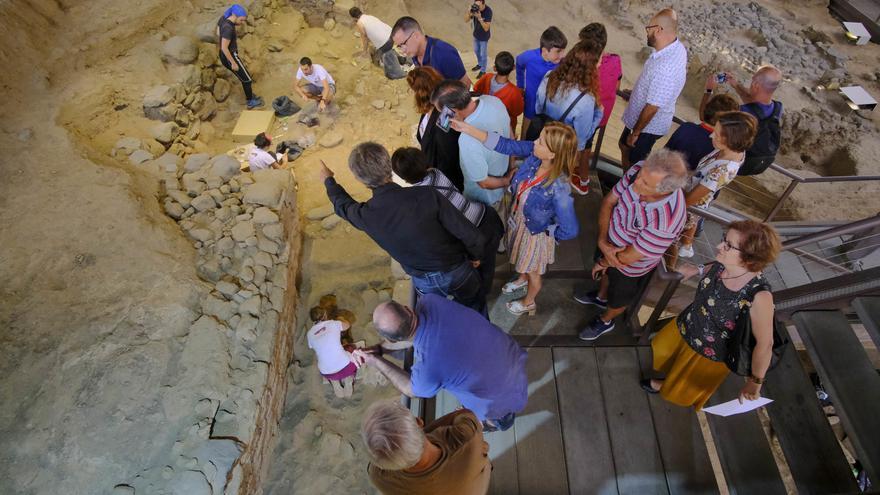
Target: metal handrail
column 795, row 178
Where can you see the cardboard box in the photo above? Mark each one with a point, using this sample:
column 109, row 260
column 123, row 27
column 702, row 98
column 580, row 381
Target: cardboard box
column 252, row 122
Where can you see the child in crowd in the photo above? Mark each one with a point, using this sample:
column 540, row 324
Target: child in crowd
column 732, row 136
column 692, row 139
column 542, row 210
column 260, row 158
column 531, row 65
column 326, row 338
column 610, row 74
column 498, row 84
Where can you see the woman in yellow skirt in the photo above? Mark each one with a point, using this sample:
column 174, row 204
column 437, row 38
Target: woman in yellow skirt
column 690, row 349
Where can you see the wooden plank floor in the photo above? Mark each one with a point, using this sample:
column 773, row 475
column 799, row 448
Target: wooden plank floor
column 589, row 429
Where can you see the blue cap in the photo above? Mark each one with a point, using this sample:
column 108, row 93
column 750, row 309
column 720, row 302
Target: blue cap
column 236, row 10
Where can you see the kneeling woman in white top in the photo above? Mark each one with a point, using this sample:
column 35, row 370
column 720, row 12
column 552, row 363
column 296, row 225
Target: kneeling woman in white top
column 260, row 158
column 335, row 363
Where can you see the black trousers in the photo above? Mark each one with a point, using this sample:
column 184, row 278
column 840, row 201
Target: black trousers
column 242, row 73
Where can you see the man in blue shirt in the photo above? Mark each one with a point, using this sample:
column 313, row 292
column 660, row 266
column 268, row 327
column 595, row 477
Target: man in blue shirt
column 457, row 350
column 408, row 36
column 481, row 16
column 531, row 65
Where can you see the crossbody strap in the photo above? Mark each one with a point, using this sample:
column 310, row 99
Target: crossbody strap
column 570, row 107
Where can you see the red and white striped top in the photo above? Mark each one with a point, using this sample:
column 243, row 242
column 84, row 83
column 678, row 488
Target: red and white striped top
column 649, row 227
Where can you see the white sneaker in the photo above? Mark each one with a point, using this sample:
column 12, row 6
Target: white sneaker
column 685, row 251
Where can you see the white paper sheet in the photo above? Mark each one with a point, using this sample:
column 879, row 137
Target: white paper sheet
column 734, row 407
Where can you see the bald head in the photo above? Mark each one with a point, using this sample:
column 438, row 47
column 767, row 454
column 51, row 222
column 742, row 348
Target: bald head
column 667, row 19
column 393, row 321
column 767, row 78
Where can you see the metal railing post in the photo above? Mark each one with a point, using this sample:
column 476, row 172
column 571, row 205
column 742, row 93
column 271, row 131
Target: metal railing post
column 778, row 206
column 596, row 153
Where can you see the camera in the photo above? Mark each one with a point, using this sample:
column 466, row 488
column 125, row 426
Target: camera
column 474, row 8
column 721, row 77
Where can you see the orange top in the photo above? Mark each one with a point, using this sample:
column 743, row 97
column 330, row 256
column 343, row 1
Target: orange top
column 509, row 94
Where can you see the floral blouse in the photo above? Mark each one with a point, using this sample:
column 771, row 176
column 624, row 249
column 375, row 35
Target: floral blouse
column 713, row 174
column 708, row 323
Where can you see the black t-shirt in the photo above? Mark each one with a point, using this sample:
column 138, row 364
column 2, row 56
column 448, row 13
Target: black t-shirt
column 227, row 31
column 480, row 33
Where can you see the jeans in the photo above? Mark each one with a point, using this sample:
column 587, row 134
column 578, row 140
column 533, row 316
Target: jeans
column 481, row 48
column 462, row 283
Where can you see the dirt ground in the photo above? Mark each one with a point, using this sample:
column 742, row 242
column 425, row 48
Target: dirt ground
column 100, row 285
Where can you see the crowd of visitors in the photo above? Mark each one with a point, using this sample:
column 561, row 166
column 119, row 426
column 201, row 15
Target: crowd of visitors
column 480, row 184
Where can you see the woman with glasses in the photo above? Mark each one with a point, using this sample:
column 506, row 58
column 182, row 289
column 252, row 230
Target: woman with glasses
column 733, row 134
column 691, row 348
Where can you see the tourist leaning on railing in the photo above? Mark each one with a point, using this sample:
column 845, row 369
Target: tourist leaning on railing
column 690, row 350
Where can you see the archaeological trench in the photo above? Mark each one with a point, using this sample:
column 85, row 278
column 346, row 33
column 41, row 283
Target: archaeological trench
column 155, row 297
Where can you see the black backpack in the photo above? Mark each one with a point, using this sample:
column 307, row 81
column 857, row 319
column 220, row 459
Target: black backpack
column 536, row 125
column 763, row 150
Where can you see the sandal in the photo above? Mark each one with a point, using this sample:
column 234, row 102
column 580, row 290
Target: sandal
column 511, row 287
column 517, row 308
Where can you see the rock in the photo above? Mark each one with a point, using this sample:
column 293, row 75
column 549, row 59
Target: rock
column 159, row 96
column 242, row 231
column 274, row 231
column 203, row 202
column 331, row 139
column 174, row 210
column 225, row 244
column 190, row 483
column 263, row 259
column 224, row 166
column 397, row 270
column 264, row 215
column 169, row 162
column 207, row 32
column 263, row 193
column 209, row 270
column 218, row 308
column 193, row 184
column 360, row 88
column 202, row 235
column 246, row 274
column 330, row 222
column 189, row 77
column 165, row 132
column 402, row 291
column 306, row 140
column 228, row 289
column 181, row 50
column 195, row 162
column 329, row 24
column 140, row 156
column 320, row 212
column 221, row 90
column 378, row 104
column 251, row 306
column 126, row 146
column 180, row 197
column 208, row 108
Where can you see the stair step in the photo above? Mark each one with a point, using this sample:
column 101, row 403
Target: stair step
column 849, row 377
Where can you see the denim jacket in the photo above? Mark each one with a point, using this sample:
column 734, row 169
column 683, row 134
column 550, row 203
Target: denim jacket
column 548, row 207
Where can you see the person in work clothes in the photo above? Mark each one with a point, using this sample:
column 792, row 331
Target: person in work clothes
column 236, row 16
column 373, row 30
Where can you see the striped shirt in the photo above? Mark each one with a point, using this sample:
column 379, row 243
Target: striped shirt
column 650, row 228
column 472, row 210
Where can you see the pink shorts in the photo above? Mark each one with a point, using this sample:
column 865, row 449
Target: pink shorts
column 342, row 374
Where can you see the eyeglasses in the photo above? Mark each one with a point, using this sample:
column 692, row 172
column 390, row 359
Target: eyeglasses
column 728, row 246
column 401, row 45
column 653, row 26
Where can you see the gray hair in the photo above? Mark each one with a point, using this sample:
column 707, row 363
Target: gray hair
column 370, row 164
column 392, row 321
column 768, row 77
column 451, row 93
column 672, row 165
column 392, row 436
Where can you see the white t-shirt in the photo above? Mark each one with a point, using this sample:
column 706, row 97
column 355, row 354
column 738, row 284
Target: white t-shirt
column 324, row 338
column 377, row 31
column 260, row 159
column 319, row 73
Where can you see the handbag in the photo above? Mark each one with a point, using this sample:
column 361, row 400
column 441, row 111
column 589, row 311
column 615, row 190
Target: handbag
column 536, row 125
column 742, row 342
